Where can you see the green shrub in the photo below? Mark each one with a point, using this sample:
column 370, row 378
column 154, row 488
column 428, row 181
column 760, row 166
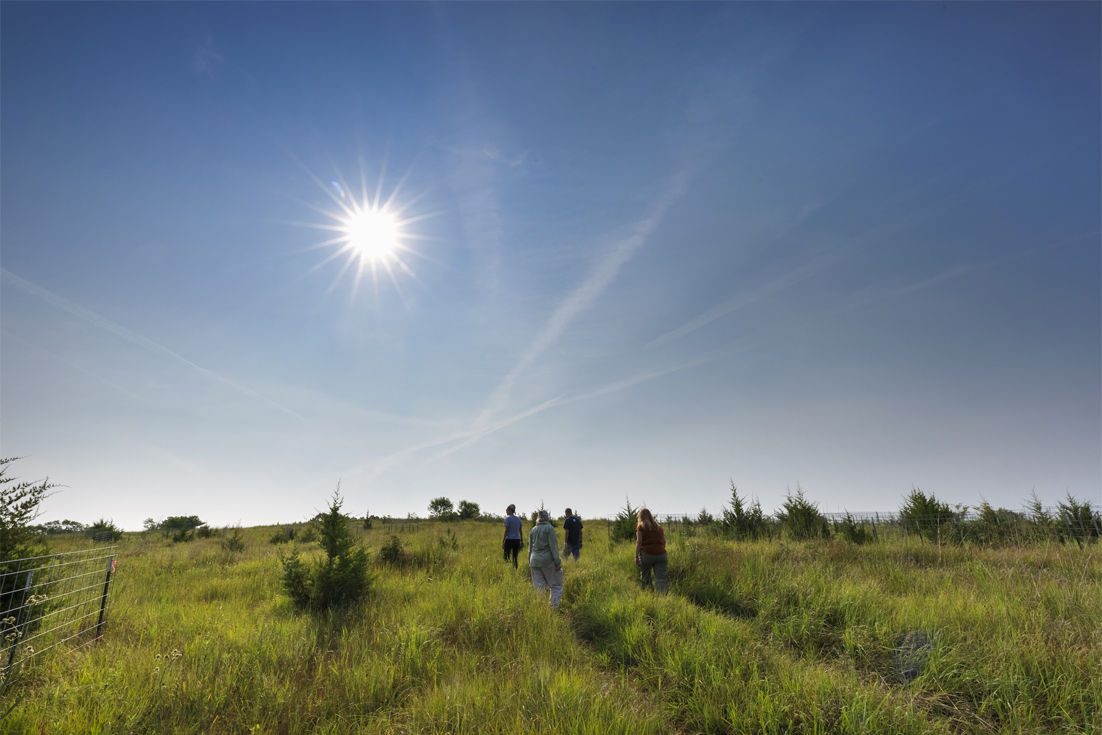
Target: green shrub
column 623, row 528
column 468, row 511
column 308, row 535
column 1078, row 520
column 282, row 536
column 742, row 522
column 855, row 532
column 103, row 530
column 340, row 578
column 19, row 506
column 235, row 543
column 928, row 517
column 204, row 531
column 173, row 525
column 801, row 518
column 391, row 552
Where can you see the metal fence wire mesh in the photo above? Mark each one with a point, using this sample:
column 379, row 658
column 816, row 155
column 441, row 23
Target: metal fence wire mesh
column 54, row 600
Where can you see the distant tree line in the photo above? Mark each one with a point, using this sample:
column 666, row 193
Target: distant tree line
column 1072, row 521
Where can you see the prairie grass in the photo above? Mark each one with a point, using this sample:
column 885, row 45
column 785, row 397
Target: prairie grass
column 899, row 636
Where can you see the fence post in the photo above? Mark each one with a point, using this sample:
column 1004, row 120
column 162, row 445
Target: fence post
column 103, row 600
column 19, row 617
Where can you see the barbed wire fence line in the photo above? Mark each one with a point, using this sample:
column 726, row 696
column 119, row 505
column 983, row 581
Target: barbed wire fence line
column 52, row 601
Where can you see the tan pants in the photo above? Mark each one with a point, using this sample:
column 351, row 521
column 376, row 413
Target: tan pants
column 544, row 577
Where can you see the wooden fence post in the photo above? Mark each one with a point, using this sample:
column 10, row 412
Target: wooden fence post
column 103, row 599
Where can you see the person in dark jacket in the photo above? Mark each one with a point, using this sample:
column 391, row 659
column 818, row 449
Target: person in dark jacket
column 650, row 551
column 573, row 528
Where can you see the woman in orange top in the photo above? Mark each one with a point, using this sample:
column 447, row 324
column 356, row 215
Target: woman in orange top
column 650, row 551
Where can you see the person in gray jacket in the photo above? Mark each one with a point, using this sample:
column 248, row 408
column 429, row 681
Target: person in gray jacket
column 543, row 558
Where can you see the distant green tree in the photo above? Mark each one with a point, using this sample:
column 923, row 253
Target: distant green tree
column 1079, row 520
column 856, row 532
column 705, row 518
column 742, row 521
column 468, row 510
column 801, row 518
column 927, row 516
column 623, row 528
column 339, row 579
column 54, row 527
column 180, row 523
column 441, row 509
column 104, row 530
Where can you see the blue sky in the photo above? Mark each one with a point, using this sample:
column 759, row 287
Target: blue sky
column 650, row 249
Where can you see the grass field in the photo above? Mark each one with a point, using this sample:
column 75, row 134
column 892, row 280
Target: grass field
column 901, row 636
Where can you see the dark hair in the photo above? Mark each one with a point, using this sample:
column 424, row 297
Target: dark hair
column 569, row 512
column 511, row 509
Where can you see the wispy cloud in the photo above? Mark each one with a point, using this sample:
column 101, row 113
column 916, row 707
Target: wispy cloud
column 469, row 436
column 206, row 58
column 876, row 234
column 802, row 273
column 581, row 298
column 107, row 325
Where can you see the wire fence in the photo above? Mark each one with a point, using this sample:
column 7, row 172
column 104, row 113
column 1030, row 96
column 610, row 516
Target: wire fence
column 51, row 601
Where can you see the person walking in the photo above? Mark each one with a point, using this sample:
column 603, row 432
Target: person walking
column 572, row 526
column 511, row 541
column 650, row 551
column 543, row 558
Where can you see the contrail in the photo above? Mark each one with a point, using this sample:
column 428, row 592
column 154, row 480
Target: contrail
column 106, row 324
column 863, row 240
column 581, row 298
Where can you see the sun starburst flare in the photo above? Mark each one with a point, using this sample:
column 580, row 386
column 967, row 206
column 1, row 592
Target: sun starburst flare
column 370, row 234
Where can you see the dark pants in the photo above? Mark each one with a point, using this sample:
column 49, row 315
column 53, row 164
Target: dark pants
column 647, row 562
column 512, row 546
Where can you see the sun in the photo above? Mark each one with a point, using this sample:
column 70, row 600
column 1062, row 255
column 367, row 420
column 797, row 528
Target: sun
column 373, row 234
column 370, row 233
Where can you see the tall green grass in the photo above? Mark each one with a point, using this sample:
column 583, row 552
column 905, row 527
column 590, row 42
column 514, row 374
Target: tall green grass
column 758, row 637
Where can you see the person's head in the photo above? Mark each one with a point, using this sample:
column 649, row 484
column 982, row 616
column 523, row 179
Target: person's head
column 647, row 520
column 544, row 517
column 569, row 513
column 511, row 509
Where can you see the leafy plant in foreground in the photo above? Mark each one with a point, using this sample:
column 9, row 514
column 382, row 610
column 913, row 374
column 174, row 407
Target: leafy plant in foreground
column 340, row 578
column 19, row 506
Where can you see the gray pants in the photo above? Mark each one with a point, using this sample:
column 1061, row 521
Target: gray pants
column 647, row 562
column 544, row 577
